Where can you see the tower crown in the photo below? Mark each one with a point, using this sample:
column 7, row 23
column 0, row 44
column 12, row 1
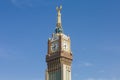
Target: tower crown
column 59, row 22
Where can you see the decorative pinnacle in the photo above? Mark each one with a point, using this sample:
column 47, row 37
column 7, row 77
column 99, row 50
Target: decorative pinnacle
column 59, row 22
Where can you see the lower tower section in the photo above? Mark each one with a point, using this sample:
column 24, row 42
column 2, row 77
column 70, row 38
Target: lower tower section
column 58, row 69
column 54, row 70
column 66, row 72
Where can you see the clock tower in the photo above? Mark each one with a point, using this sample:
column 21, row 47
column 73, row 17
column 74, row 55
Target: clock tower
column 59, row 55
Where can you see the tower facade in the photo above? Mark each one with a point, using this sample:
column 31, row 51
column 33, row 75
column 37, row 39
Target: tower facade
column 59, row 55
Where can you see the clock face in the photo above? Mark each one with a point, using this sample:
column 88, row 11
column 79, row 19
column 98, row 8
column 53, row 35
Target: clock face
column 54, row 47
column 65, row 46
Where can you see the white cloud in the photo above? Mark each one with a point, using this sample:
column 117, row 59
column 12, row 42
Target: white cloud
column 88, row 64
column 22, row 3
column 102, row 71
column 4, row 53
column 37, row 79
column 85, row 64
column 112, row 47
column 102, row 79
column 84, row 49
column 90, row 79
column 32, row 3
column 8, row 52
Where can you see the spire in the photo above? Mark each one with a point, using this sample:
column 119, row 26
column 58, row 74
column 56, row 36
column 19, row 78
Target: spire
column 59, row 16
column 59, row 22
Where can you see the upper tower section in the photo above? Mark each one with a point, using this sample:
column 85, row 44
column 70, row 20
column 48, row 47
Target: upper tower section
column 59, row 45
column 59, row 21
column 59, row 42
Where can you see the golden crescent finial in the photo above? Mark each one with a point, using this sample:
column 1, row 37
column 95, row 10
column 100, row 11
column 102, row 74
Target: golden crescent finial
column 59, row 8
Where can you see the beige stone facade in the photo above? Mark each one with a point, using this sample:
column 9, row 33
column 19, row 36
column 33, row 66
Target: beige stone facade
column 59, row 55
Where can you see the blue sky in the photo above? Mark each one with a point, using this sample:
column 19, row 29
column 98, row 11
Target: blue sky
column 93, row 25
